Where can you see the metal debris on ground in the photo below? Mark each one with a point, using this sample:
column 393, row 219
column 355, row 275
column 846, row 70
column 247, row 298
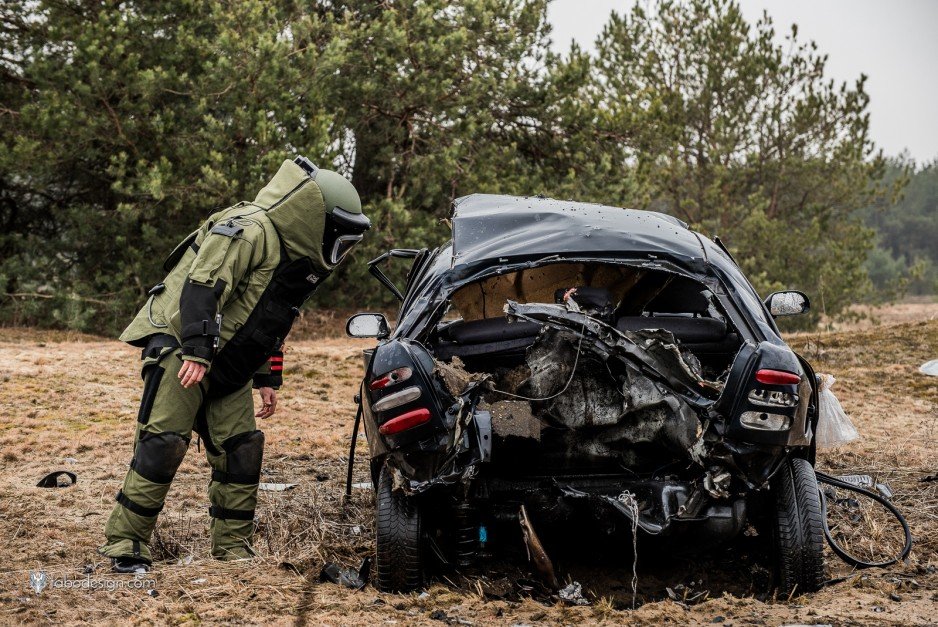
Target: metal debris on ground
column 866, row 481
column 356, row 580
column 687, row 594
column 276, row 487
column 573, row 594
column 58, row 479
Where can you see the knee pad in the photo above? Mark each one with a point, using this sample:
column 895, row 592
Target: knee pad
column 244, row 453
column 158, row 455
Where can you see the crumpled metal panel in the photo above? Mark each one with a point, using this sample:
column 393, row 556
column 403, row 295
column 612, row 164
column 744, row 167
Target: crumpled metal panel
column 617, row 405
column 657, row 351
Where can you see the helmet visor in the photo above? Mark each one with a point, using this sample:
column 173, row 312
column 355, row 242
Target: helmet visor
column 343, row 246
column 343, row 231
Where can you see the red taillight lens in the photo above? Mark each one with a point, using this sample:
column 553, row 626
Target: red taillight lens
column 405, row 421
column 777, row 377
column 390, row 378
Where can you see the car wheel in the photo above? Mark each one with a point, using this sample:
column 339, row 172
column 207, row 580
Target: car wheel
column 399, row 561
column 799, row 531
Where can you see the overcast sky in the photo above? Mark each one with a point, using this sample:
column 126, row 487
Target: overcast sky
column 894, row 42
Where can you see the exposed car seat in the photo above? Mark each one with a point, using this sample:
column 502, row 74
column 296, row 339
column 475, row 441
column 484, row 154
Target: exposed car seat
column 490, row 336
column 684, row 328
column 683, row 309
column 490, row 330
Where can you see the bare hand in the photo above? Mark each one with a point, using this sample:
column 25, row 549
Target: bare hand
column 269, row 399
column 191, row 373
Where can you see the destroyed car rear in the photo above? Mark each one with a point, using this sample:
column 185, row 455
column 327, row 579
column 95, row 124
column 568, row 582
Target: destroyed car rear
column 569, row 357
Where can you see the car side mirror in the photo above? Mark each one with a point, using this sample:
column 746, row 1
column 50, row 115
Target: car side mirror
column 790, row 303
column 368, row 325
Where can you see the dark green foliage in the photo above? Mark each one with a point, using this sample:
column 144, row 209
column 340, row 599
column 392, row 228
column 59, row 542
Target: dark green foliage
column 905, row 258
column 129, row 124
column 123, row 125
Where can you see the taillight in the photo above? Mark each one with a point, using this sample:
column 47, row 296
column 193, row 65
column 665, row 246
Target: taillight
column 777, row 377
column 405, row 421
column 397, row 399
column 390, row 378
column 772, row 398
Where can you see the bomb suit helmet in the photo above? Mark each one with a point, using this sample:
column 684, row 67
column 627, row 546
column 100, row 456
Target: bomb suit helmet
column 345, row 224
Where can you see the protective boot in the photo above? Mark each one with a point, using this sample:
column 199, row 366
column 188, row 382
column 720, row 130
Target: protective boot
column 236, row 469
column 129, row 565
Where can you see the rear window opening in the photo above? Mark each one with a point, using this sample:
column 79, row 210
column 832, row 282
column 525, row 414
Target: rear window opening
column 476, row 330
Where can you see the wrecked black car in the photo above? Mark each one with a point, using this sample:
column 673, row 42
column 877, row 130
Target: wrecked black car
column 556, row 358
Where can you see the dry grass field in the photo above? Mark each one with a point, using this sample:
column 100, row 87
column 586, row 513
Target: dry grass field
column 69, row 402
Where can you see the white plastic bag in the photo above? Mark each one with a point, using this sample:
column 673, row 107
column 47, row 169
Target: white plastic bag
column 833, row 427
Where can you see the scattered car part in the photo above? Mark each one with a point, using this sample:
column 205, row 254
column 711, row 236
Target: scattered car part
column 687, row 595
column 572, row 594
column 354, row 579
column 52, row 480
column 879, row 498
column 866, row 481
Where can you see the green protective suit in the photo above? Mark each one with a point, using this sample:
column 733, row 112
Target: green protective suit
column 248, row 267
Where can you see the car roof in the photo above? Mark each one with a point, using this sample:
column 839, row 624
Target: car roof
column 491, row 226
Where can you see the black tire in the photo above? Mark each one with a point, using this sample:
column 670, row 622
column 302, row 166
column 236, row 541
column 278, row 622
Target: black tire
column 399, row 562
column 799, row 530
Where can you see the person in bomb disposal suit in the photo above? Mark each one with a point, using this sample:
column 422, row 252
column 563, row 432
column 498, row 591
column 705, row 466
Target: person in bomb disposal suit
column 211, row 331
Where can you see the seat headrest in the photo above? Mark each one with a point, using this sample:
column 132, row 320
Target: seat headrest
column 679, row 301
column 596, row 301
